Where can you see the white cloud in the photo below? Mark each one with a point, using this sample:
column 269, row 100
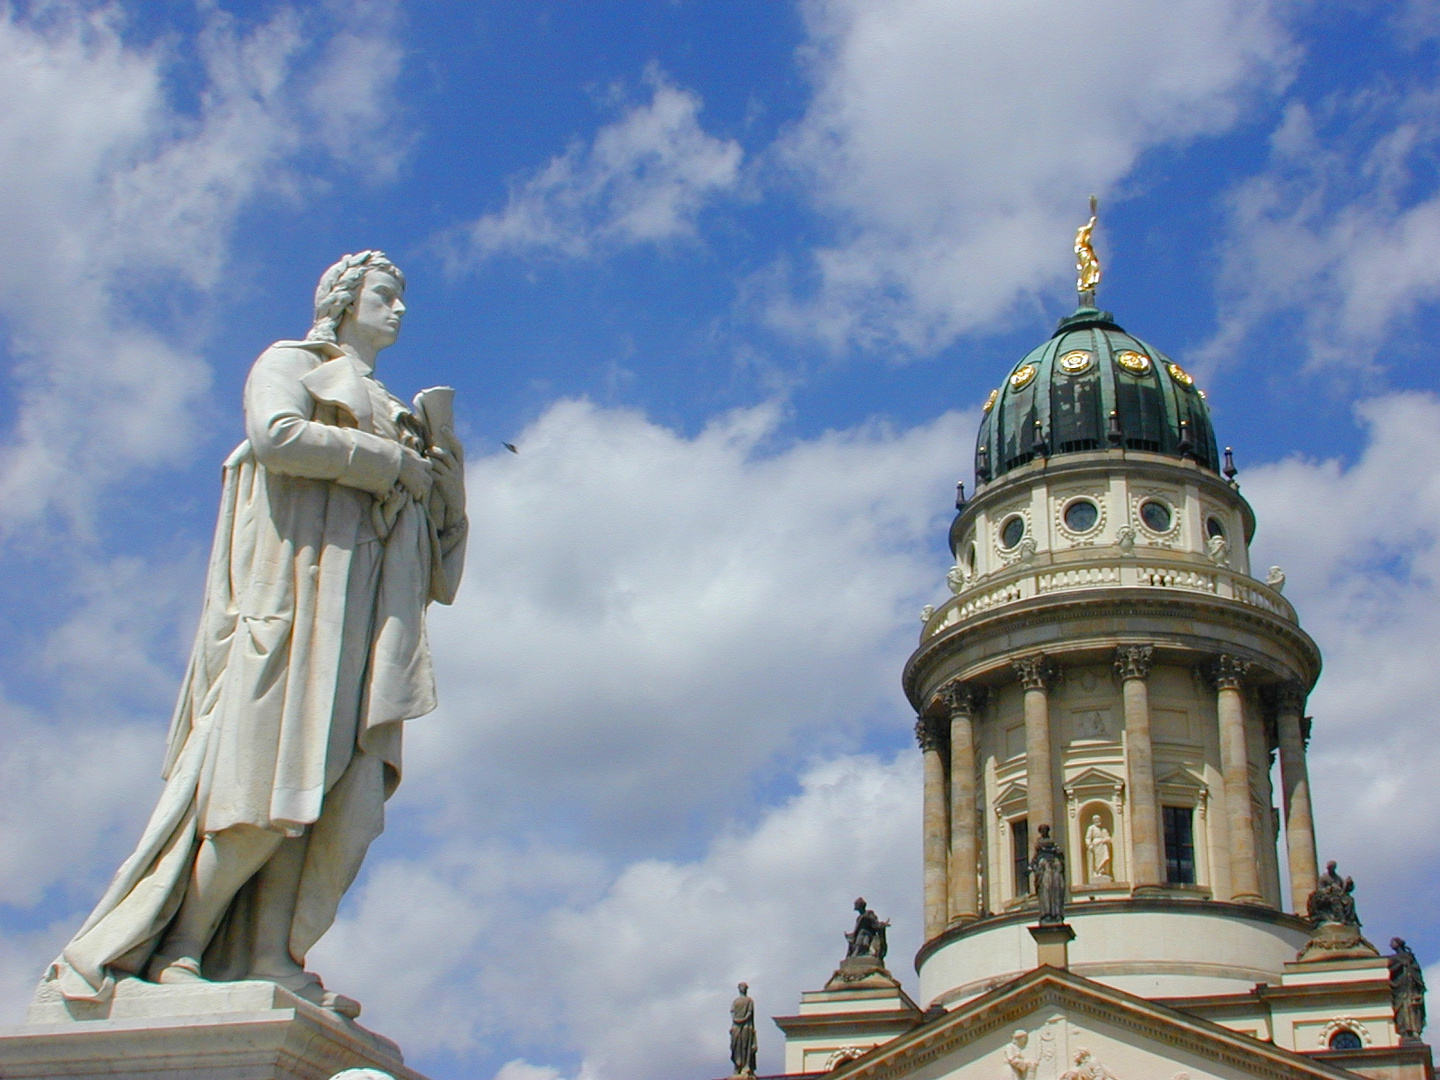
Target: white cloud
column 115, row 190
column 1360, row 545
column 954, row 145
column 647, row 618
column 637, row 975
column 643, row 179
column 1341, row 227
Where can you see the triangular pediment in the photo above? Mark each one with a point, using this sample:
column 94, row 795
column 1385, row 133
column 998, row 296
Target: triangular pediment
column 1063, row 1015
column 1181, row 778
column 1094, row 781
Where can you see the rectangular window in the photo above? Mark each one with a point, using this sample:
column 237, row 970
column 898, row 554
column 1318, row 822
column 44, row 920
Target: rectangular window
column 1020, row 845
column 1179, row 845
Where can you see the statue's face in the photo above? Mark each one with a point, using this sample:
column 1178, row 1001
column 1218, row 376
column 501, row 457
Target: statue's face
column 375, row 316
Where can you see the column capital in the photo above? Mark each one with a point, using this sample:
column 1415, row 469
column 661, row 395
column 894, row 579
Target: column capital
column 930, row 732
column 1287, row 699
column 962, row 698
column 1134, row 661
column 1229, row 672
column 1035, row 671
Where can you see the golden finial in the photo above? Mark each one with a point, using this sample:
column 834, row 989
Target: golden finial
column 1085, row 261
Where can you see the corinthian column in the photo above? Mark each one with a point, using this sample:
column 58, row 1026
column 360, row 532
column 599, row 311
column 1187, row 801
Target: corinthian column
column 1036, row 675
column 930, row 732
column 963, row 701
column 1295, row 792
column 1229, row 676
column 1132, row 665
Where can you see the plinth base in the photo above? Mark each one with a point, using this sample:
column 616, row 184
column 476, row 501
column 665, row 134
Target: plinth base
column 1052, row 944
column 205, row 1031
column 1336, row 941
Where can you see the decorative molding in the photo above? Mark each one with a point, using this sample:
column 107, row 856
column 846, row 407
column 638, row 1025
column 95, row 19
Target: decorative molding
column 1134, row 661
column 930, row 733
column 844, row 1054
column 1035, row 672
column 1229, row 672
column 962, row 698
column 1343, row 1023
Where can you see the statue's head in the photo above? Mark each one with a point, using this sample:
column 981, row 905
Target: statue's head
column 1330, row 868
column 1397, row 944
column 860, row 904
column 341, row 286
column 1095, row 820
column 1020, row 1037
column 744, row 988
column 1044, row 832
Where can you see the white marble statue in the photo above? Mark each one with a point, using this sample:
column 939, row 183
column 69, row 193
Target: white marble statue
column 1099, row 851
column 1021, row 1067
column 342, row 515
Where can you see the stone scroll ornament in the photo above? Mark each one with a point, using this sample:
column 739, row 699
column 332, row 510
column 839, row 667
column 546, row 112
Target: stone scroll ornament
column 342, row 516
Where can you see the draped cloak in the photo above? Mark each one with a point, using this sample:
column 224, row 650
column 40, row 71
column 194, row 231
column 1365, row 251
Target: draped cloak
column 311, row 650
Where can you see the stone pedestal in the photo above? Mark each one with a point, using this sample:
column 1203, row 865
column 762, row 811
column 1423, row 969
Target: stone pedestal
column 1052, row 944
column 861, row 1007
column 209, row 1031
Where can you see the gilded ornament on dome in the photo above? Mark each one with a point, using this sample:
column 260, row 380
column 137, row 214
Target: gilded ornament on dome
column 990, row 401
column 1133, row 362
column 1180, row 375
column 1023, row 377
column 1087, row 266
column 1076, row 362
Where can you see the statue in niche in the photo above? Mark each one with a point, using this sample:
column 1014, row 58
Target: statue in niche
column 1021, row 1067
column 1407, row 991
column 1333, row 900
column 1047, row 871
column 868, row 937
column 1099, row 851
column 742, row 1033
column 342, row 516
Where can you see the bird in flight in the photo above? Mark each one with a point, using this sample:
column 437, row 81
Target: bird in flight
column 510, row 447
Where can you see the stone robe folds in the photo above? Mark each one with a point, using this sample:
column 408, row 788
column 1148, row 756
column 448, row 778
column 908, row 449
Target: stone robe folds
column 311, row 651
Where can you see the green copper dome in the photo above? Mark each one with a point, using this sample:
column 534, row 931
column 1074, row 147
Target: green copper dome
column 1093, row 387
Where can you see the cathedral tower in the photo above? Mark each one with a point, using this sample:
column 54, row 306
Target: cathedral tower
column 1109, row 665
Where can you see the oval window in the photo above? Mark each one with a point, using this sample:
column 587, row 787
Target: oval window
column 1214, row 527
column 1012, row 532
column 1345, row 1039
column 1081, row 515
column 1155, row 515
column 970, row 558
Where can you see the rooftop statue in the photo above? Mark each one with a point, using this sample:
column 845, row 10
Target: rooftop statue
column 868, row 937
column 1087, row 265
column 342, row 516
column 1335, row 927
column 1407, row 991
column 1047, row 871
column 1333, row 899
column 742, row 1033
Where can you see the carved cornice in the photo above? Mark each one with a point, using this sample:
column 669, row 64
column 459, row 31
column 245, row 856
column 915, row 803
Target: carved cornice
column 1134, row 661
column 1035, row 671
column 930, row 732
column 1200, row 626
column 1229, row 672
column 1287, row 699
column 961, row 698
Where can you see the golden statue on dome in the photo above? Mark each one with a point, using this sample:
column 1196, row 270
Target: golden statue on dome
column 1086, row 263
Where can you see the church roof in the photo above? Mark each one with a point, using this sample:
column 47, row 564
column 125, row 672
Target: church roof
column 1093, row 386
column 966, row 1036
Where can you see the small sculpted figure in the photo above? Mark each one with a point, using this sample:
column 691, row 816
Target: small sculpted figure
column 342, row 516
column 1047, row 871
column 742, row 1033
column 868, row 937
column 1099, row 850
column 1021, row 1067
column 1407, row 991
column 1333, row 900
column 1087, row 1067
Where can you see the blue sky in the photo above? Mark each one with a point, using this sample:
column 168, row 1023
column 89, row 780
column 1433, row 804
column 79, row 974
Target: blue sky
column 735, row 278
